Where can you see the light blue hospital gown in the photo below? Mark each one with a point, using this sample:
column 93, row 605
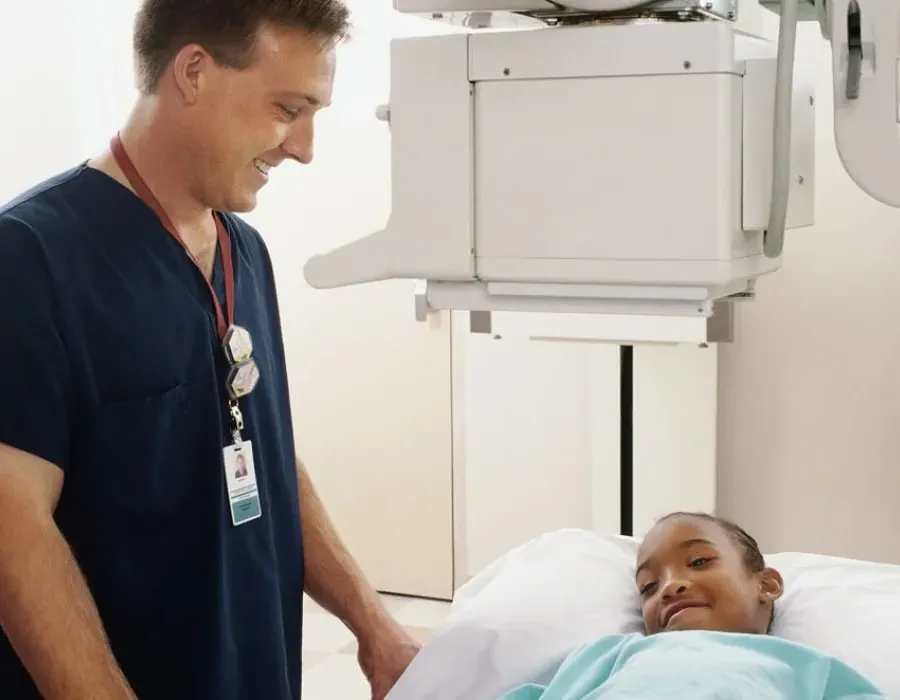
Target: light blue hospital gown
column 699, row 666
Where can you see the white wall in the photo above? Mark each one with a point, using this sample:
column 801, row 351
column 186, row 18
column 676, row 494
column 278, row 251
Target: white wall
column 541, row 441
column 810, row 391
column 41, row 121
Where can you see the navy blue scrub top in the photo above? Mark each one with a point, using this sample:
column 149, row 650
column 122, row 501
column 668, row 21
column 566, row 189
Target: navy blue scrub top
column 111, row 369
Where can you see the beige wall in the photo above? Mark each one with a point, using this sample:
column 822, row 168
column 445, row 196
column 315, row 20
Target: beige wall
column 809, row 453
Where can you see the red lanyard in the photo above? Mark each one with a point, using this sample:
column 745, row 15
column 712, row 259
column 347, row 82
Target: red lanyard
column 118, row 151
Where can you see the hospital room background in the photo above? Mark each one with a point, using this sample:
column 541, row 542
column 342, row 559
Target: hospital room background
column 437, row 449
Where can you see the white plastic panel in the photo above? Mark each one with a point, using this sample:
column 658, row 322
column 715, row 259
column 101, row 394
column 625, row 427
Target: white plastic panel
column 675, row 431
column 429, row 233
column 540, row 442
column 605, row 50
column 424, row 6
column 866, row 130
column 616, row 328
column 624, row 169
column 721, row 8
column 547, row 299
column 758, row 121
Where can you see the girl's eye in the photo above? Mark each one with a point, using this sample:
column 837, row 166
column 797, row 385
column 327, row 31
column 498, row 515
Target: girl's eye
column 645, row 590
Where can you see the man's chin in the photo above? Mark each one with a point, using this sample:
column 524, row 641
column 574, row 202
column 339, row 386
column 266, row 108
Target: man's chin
column 240, row 205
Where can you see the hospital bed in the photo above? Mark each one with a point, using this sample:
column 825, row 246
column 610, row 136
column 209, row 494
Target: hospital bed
column 515, row 622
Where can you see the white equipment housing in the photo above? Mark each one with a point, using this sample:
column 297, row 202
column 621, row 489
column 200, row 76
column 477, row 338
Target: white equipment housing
column 617, row 162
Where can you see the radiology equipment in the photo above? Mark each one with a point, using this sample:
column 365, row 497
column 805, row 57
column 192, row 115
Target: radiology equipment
column 616, row 156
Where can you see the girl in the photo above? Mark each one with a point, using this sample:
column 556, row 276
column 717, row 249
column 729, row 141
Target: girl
column 704, row 582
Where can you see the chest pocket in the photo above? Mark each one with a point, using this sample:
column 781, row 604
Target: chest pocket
column 140, row 361
column 143, row 467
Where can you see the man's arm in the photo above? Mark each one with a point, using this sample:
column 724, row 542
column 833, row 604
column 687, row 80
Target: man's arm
column 46, row 609
column 333, row 578
column 335, row 581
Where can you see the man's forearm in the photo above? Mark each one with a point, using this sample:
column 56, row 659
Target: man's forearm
column 333, row 578
column 49, row 616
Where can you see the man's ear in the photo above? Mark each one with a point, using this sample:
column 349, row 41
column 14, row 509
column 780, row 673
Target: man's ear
column 771, row 585
column 191, row 69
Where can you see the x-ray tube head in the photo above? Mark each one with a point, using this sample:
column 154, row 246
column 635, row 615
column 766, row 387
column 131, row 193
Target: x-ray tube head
column 617, row 156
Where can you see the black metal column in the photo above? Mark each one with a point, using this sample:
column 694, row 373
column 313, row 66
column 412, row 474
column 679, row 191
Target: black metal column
column 626, row 440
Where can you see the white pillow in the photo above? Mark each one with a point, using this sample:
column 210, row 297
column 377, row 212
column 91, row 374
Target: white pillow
column 517, row 620
column 846, row 608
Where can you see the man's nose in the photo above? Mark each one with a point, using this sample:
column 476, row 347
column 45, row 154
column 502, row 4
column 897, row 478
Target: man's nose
column 299, row 144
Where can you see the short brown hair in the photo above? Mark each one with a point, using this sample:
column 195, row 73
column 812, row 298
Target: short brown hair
column 227, row 29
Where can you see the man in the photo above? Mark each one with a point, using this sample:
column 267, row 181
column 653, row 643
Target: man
column 141, row 358
column 241, row 467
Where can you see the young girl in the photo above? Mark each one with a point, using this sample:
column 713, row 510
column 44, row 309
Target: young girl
column 708, row 601
column 698, row 572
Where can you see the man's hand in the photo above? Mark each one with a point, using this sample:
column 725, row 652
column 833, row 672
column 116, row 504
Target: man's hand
column 334, row 580
column 384, row 656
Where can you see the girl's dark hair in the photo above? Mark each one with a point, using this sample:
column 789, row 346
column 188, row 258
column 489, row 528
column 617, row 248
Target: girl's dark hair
column 227, row 29
column 753, row 557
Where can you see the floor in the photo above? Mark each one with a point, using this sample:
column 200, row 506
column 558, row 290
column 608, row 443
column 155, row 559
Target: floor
column 330, row 669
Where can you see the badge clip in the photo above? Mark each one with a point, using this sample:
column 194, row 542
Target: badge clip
column 237, row 422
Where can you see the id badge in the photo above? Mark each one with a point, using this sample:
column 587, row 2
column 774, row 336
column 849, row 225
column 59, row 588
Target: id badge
column 240, row 478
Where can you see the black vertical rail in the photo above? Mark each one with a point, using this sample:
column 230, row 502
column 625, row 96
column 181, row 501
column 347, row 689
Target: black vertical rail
column 626, row 440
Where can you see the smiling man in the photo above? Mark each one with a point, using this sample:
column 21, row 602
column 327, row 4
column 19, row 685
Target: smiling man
column 144, row 369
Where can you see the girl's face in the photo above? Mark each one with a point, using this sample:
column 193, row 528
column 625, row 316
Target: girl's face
column 692, row 575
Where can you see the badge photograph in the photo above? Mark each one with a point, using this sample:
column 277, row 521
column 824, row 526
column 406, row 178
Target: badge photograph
column 240, row 478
